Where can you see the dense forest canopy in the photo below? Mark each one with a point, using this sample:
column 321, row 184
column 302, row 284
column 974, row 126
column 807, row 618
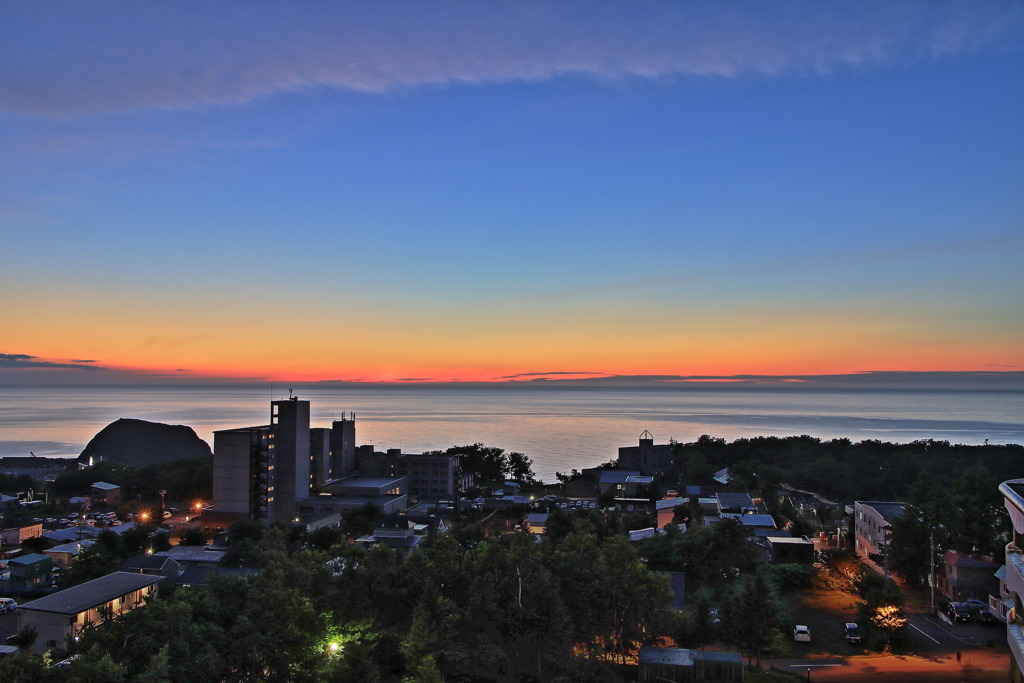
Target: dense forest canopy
column 840, row 468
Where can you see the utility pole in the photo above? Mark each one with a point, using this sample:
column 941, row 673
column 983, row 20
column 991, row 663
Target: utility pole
column 931, row 565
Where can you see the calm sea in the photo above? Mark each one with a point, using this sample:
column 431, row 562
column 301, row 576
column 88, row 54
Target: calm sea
column 560, row 428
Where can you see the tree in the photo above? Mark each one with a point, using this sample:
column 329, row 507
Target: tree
column 25, row 638
column 910, row 546
column 889, row 619
column 193, row 535
column 756, row 615
column 520, row 467
column 361, row 520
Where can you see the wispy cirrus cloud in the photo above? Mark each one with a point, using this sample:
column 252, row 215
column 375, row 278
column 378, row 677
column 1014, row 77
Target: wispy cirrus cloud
column 60, row 59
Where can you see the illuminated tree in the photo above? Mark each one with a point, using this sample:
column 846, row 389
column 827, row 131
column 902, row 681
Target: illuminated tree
column 888, row 618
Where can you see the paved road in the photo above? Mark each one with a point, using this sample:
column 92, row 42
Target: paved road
column 8, row 626
column 976, row 665
column 936, row 644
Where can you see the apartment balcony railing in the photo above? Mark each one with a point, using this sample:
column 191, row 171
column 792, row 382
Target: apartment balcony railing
column 1015, row 639
column 1015, row 570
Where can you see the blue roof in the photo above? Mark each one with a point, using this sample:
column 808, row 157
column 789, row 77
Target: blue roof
column 616, row 476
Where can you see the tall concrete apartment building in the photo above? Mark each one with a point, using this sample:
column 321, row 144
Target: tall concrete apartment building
column 1013, row 492
column 263, row 472
column 286, row 470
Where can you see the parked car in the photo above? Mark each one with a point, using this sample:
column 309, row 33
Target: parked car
column 852, row 632
column 958, row 611
column 975, row 605
column 801, row 634
column 8, row 605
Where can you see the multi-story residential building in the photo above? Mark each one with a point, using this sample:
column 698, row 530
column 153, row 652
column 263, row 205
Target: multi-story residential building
column 646, row 457
column 286, row 470
column 872, row 519
column 1013, row 492
column 430, row 475
column 343, row 447
column 965, row 576
column 263, row 472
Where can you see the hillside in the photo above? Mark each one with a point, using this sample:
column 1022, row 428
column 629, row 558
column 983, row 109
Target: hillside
column 139, row 443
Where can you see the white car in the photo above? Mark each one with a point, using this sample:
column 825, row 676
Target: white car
column 8, row 605
column 801, row 634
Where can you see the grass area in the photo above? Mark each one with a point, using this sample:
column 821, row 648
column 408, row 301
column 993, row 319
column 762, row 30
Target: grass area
column 919, row 599
column 824, row 612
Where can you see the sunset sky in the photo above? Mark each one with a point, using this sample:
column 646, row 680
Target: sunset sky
column 493, row 190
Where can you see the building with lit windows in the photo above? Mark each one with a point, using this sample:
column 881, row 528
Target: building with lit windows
column 263, row 472
column 1013, row 492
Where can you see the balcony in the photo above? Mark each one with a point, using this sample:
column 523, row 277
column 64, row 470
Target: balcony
column 1015, row 638
column 1014, row 570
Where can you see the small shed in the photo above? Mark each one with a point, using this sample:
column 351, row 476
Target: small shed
column 675, row 665
column 788, row 550
column 106, row 494
column 30, row 571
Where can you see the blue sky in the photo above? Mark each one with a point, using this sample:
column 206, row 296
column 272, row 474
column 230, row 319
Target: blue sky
column 474, row 190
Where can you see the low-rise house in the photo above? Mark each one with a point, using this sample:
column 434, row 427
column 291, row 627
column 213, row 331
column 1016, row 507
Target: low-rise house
column 404, row 533
column 789, row 550
column 8, row 503
column 63, row 555
column 740, row 503
column 154, row 565
column 651, row 532
column 968, row 577
column 71, row 534
column 29, row 572
column 666, row 509
column 750, row 520
column 105, row 494
column 193, row 555
column 642, row 505
column 623, row 483
column 674, row 664
column 537, row 523
column 197, row 576
column 872, row 520
column 1001, row 603
column 62, row 615
column 15, row 535
column 122, row 528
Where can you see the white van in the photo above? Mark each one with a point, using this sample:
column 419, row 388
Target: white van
column 7, row 605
